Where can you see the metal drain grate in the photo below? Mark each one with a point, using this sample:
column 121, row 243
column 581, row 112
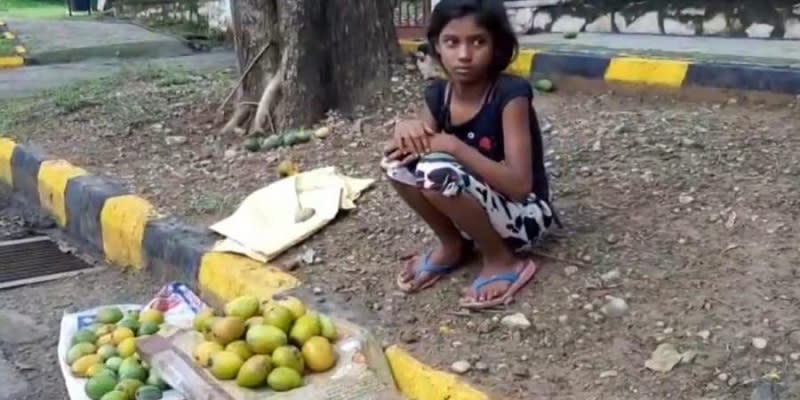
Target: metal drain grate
column 34, row 260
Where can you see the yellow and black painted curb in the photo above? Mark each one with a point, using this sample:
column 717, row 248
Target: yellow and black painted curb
column 652, row 71
column 11, row 60
column 106, row 218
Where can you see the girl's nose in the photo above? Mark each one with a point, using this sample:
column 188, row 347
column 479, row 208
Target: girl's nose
column 464, row 53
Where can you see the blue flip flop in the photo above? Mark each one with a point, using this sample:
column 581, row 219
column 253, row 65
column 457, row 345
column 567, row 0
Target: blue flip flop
column 437, row 272
column 516, row 279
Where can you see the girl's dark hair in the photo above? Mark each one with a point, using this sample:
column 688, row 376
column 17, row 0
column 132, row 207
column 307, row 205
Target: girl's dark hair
column 490, row 14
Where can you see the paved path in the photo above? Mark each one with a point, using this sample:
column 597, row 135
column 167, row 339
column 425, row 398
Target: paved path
column 53, row 41
column 32, row 79
column 777, row 52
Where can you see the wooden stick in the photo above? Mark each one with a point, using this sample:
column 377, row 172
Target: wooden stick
column 244, row 75
column 562, row 260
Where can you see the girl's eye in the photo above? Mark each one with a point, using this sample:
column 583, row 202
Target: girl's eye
column 478, row 42
column 450, row 42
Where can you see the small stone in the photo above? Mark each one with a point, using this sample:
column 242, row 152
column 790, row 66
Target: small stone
column 322, row 132
column 570, row 270
column 175, row 140
column 516, row 321
column 563, row 319
column 317, row 290
column 668, row 330
column 230, row 153
column 588, row 307
column 481, row 366
column 309, row 257
column 596, row 317
column 608, row 374
column 616, row 307
column 794, row 356
column 723, row 377
column 612, row 238
column 611, row 276
column 704, row 334
column 456, row 344
column 732, row 381
column 759, row 343
column 487, row 326
column 712, row 387
column 685, row 199
column 461, row 367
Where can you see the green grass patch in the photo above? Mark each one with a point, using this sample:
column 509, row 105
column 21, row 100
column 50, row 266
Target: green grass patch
column 136, row 96
column 35, row 9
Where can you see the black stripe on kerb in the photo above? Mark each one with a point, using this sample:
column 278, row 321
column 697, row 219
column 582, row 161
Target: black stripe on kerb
column 84, row 199
column 744, row 77
column 25, row 164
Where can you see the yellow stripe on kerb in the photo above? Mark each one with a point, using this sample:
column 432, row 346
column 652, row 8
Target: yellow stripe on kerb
column 409, row 46
column 523, row 64
column 647, row 71
column 418, row 381
column 227, row 276
column 122, row 224
column 6, row 152
column 11, row 62
column 53, row 178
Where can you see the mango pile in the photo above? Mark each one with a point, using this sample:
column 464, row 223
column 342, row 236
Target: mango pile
column 286, row 139
column 273, row 345
column 105, row 353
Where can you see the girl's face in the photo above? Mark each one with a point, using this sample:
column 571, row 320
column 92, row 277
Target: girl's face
column 465, row 49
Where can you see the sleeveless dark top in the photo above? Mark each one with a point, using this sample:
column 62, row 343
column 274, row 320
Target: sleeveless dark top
column 484, row 131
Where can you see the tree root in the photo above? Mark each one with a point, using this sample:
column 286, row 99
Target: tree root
column 239, row 117
column 246, row 72
column 268, row 98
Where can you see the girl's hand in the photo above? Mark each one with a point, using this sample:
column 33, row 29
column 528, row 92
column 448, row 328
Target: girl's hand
column 394, row 153
column 445, row 143
column 412, row 137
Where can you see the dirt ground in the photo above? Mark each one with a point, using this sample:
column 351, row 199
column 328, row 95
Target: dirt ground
column 686, row 210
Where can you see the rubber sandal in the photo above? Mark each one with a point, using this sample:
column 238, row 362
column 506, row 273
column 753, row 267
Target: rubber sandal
column 517, row 279
column 437, row 272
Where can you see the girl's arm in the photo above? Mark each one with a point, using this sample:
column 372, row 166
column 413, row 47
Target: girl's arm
column 514, row 177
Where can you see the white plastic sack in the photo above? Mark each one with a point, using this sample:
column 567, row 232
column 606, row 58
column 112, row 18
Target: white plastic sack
column 176, row 301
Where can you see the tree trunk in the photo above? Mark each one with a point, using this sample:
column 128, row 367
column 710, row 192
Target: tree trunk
column 321, row 54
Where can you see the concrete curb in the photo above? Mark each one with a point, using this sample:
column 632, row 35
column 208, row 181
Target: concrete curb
column 104, row 217
column 13, row 61
column 149, row 49
column 651, row 71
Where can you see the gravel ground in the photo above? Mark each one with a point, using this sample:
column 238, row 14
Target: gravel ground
column 681, row 234
column 32, row 315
